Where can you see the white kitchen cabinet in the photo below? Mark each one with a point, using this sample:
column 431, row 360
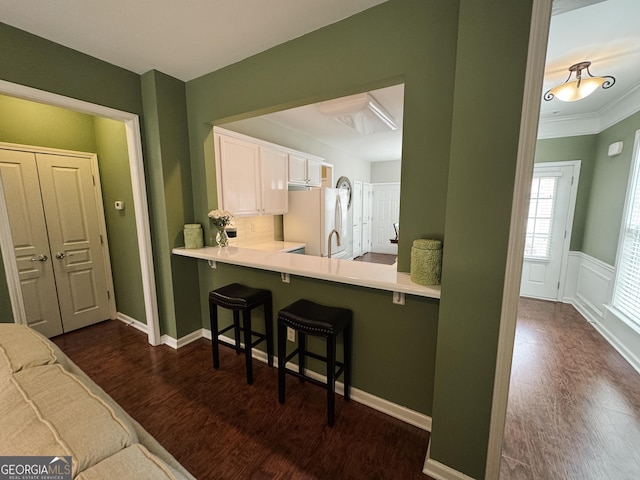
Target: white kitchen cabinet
column 238, row 175
column 273, row 180
column 305, row 170
column 251, row 178
column 297, row 169
column 314, row 172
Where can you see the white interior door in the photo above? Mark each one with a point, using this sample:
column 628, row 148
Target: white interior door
column 57, row 224
column 69, row 200
column 386, row 212
column 357, row 218
column 367, row 216
column 551, row 206
column 19, row 177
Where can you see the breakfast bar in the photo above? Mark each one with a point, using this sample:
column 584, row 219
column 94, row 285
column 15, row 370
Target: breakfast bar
column 372, row 275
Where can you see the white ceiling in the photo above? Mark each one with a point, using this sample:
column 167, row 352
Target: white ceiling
column 184, row 39
column 386, row 145
column 607, row 34
column 188, row 42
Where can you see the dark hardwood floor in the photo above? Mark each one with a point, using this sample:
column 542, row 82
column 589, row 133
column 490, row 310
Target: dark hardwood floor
column 383, row 258
column 573, row 412
column 219, row 427
column 574, row 402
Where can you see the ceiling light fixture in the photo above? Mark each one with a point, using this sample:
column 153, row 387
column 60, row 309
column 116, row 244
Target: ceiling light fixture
column 581, row 87
column 361, row 112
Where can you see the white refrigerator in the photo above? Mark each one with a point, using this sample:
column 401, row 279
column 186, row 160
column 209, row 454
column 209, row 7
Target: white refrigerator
column 312, row 215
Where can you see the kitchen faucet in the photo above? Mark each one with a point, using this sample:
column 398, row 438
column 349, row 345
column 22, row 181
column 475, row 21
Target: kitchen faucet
column 329, row 241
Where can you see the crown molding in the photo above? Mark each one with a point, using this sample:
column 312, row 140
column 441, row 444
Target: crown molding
column 591, row 124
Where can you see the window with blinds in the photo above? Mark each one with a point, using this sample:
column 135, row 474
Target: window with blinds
column 539, row 222
column 626, row 296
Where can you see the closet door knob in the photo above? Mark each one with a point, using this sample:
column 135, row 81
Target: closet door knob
column 60, row 255
column 39, row 258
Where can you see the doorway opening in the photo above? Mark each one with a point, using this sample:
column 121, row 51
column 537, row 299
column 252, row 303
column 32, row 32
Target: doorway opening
column 134, row 147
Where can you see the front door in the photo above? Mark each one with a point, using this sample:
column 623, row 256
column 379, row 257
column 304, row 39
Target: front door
column 548, row 231
column 63, row 237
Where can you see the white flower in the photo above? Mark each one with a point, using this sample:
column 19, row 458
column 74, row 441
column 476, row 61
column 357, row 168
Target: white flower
column 221, row 218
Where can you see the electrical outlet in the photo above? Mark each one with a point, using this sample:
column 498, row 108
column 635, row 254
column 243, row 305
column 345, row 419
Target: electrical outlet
column 253, row 227
column 291, row 334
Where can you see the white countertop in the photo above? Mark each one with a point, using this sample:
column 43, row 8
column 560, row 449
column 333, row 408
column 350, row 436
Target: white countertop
column 276, row 246
column 364, row 274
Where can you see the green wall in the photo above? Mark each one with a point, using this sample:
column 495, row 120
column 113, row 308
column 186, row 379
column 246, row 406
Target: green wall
column 447, row 54
column 608, row 191
column 31, row 123
column 581, row 148
column 430, row 47
column 602, row 187
column 32, row 61
column 390, row 342
column 113, row 161
column 478, row 210
column 397, row 40
column 169, row 176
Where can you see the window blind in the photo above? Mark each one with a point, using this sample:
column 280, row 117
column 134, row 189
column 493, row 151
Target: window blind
column 540, row 219
column 626, row 296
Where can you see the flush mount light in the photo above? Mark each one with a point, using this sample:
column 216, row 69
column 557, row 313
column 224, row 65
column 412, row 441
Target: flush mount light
column 361, row 112
column 581, row 87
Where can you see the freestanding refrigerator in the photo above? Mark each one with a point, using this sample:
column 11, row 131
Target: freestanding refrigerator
column 312, row 215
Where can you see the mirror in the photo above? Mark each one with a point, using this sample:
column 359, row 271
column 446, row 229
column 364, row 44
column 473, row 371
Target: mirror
column 358, row 138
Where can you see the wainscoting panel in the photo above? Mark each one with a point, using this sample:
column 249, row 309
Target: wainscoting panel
column 595, row 284
column 589, row 288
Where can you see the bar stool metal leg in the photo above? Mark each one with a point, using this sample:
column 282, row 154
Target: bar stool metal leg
column 236, row 329
column 331, row 381
column 346, row 339
column 213, row 318
column 246, row 315
column 302, row 354
column 268, row 319
column 282, row 354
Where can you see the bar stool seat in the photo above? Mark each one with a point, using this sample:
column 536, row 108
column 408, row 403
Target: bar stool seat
column 310, row 318
column 240, row 298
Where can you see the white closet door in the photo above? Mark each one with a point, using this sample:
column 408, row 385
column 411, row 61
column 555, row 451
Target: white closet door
column 70, row 206
column 19, row 177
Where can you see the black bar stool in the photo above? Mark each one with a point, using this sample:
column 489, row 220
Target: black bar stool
column 241, row 298
column 309, row 318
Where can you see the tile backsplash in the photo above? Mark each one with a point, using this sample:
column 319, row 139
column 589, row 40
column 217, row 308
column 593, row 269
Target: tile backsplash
column 253, row 230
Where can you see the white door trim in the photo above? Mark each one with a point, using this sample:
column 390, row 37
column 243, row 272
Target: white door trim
column 10, row 265
column 141, row 209
column 536, row 55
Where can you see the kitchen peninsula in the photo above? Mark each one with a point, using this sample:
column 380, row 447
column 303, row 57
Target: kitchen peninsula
column 372, row 275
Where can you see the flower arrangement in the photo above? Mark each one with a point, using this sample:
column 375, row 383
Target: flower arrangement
column 221, row 218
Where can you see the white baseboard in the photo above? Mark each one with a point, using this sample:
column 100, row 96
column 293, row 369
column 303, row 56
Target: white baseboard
column 132, row 322
column 629, row 348
column 380, row 404
column 440, row 471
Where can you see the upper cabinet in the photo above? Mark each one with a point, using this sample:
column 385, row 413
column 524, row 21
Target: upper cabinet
column 273, row 176
column 251, row 178
column 305, row 170
column 252, row 175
